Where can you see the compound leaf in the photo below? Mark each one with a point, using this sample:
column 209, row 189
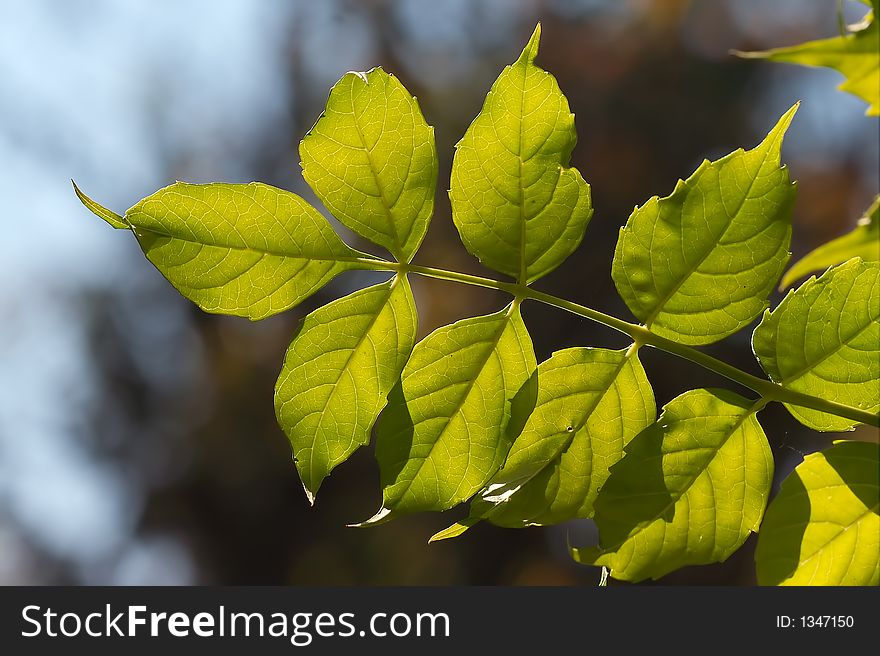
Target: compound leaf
column 698, row 265
column 338, row 371
column 590, row 403
column 823, row 527
column 249, row 250
column 824, row 339
column 688, row 491
column 515, row 204
column 862, row 241
column 372, row 161
column 856, row 55
column 462, row 399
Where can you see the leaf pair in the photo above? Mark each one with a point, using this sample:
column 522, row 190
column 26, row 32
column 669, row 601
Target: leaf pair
column 469, row 388
column 692, row 486
column 590, row 403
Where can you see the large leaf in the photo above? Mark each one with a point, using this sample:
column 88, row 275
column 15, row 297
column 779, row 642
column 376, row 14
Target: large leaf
column 824, row 339
column 245, row 249
column 338, row 371
column 689, row 490
column 590, row 403
column 856, row 55
column 515, row 204
column 862, row 241
column 823, row 527
column 463, row 398
column 698, row 265
column 371, row 160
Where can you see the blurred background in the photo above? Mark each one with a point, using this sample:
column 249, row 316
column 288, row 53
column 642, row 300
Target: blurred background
column 138, row 442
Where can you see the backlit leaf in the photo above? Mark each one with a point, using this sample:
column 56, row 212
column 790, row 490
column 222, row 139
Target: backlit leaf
column 515, row 204
column 856, row 55
column 371, row 160
column 862, row 241
column 245, row 249
column 698, row 265
column 688, row 491
column 339, row 368
column 463, row 398
column 823, row 527
column 824, row 339
column 590, row 403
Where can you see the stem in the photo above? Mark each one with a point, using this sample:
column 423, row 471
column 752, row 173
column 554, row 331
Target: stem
column 768, row 390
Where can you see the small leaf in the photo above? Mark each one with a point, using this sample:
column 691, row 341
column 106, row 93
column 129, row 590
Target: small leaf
column 590, row 403
column 824, row 339
column 689, row 490
column 823, row 528
column 856, row 55
column 338, row 371
column 698, row 265
column 463, row 398
column 515, row 204
column 862, row 241
column 100, row 211
column 249, row 250
column 372, row 161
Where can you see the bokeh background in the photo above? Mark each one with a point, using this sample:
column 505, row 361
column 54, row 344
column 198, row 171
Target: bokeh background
column 138, row 442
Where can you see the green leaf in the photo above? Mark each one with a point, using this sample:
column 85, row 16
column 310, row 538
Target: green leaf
column 463, row 398
column 245, row 249
column 863, row 241
column 372, row 161
column 515, row 204
column 856, row 55
column 100, row 211
column 688, row 491
column 698, row 265
column 824, row 339
column 338, row 371
column 823, row 527
column 590, row 403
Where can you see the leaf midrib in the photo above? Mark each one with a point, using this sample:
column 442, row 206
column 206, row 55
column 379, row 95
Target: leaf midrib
column 644, row 524
column 844, row 343
column 572, row 435
column 458, row 405
column 868, row 511
column 397, row 248
column 250, row 249
column 713, row 245
column 344, row 369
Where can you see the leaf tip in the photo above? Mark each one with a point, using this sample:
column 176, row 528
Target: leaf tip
column 111, row 217
column 310, row 496
column 384, row 515
column 453, row 531
column 531, row 50
column 783, row 123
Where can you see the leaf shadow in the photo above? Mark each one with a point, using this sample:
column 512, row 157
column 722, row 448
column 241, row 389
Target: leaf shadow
column 794, row 510
column 521, row 406
column 786, row 543
column 393, row 454
column 635, row 492
column 848, row 460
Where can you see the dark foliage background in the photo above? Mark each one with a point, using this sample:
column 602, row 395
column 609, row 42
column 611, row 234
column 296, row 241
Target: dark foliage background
column 137, row 437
